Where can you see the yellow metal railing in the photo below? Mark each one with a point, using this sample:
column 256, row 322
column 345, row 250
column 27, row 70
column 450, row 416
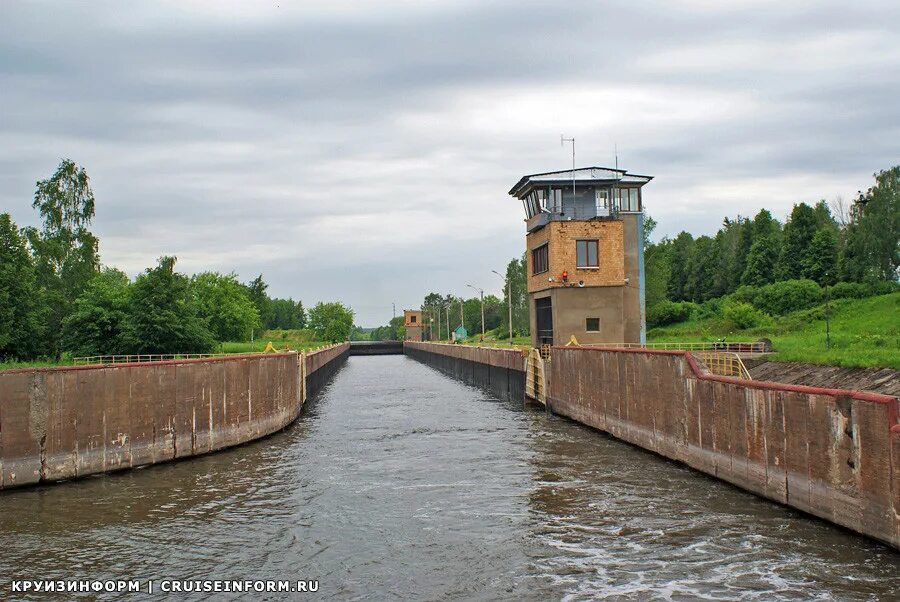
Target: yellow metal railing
column 722, row 363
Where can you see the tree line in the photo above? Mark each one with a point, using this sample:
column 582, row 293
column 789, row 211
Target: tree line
column 854, row 247
column 56, row 297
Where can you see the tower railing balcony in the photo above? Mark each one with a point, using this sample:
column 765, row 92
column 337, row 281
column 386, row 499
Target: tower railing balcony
column 569, row 213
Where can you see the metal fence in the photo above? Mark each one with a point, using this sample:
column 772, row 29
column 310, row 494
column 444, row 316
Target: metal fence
column 722, row 346
column 722, row 363
column 139, row 358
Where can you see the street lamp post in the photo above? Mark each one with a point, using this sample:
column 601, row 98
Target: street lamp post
column 508, row 287
column 481, row 294
column 438, row 307
column 827, row 317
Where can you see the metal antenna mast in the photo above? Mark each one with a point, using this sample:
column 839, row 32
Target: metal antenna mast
column 562, row 142
column 615, row 200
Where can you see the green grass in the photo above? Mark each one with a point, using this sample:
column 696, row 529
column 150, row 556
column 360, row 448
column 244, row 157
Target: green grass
column 33, row 364
column 298, row 340
column 495, row 338
column 864, row 333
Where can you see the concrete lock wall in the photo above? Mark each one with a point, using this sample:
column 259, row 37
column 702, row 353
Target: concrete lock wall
column 501, row 371
column 834, row 454
column 63, row 423
column 322, row 364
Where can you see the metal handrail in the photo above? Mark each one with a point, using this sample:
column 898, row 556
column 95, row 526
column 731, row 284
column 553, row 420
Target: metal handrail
column 145, row 357
column 723, row 363
column 729, row 346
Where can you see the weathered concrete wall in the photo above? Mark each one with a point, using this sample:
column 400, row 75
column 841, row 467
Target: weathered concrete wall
column 322, row 364
column 501, row 371
column 832, row 453
column 63, row 423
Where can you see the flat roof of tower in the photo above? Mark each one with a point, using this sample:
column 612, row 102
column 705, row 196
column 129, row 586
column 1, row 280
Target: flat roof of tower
column 583, row 175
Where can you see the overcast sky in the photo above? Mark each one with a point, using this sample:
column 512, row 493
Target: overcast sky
column 361, row 150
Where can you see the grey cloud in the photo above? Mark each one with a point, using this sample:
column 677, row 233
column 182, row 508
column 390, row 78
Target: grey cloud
column 366, row 155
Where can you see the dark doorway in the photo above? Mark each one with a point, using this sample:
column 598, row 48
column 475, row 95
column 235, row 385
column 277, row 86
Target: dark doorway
column 543, row 311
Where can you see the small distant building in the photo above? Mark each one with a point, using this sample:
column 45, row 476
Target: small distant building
column 412, row 319
column 584, row 241
column 460, row 333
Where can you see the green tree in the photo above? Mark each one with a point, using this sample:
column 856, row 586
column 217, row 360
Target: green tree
column 682, row 252
column 225, row 306
column 762, row 257
column 657, row 268
column 433, row 314
column 649, row 226
column 65, row 250
column 730, row 262
column 820, row 262
column 97, row 322
column 493, row 307
column 398, row 326
column 796, row 240
column 761, row 263
column 331, row 321
column 742, row 250
column 361, row 334
column 701, row 276
column 21, row 313
column 872, row 249
column 472, row 313
column 163, row 315
column 765, row 226
column 299, row 317
column 517, row 277
column 257, row 292
column 286, row 314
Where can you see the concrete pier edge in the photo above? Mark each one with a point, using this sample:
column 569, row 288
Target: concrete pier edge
column 62, row 423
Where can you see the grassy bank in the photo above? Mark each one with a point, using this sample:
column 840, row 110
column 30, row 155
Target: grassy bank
column 864, row 333
column 297, row 340
column 11, row 365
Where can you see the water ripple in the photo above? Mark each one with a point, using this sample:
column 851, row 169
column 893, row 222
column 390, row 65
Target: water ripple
column 398, row 482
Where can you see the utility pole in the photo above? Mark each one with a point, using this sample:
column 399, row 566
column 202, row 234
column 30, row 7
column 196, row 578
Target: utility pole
column 462, row 320
column 447, row 309
column 439, row 320
column 508, row 286
column 481, row 293
column 393, row 310
column 827, row 317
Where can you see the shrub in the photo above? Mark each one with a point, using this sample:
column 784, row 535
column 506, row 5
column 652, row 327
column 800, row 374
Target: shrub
column 885, row 287
column 850, row 290
column 745, row 293
column 710, row 309
column 787, row 296
column 669, row 312
column 740, row 316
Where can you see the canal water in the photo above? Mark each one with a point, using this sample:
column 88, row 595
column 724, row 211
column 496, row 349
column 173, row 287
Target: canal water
column 401, row 483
